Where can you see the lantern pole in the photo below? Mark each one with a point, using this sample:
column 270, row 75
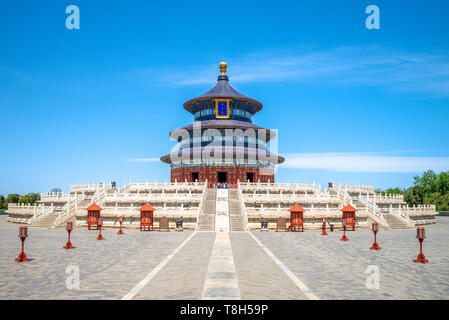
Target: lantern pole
column 69, row 229
column 420, row 234
column 344, row 237
column 120, row 231
column 324, row 233
column 100, row 225
column 23, row 233
column 375, row 228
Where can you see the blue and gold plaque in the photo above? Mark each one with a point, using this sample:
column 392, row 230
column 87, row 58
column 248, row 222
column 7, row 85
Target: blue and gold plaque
column 222, row 108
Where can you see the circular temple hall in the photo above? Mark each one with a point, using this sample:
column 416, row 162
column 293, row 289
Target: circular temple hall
column 222, row 145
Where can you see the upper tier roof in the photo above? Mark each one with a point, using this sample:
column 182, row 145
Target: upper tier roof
column 146, row 207
column 94, row 207
column 349, row 208
column 222, row 89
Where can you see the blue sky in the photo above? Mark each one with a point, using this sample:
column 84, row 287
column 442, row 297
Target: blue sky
column 351, row 104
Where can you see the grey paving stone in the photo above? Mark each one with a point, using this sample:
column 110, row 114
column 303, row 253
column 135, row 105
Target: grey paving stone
column 258, row 276
column 335, row 269
column 183, row 277
column 108, row 269
column 332, row 269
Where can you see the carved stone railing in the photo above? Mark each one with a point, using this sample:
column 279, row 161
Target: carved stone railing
column 309, row 198
column 169, row 186
column 154, row 197
column 70, row 209
column 254, row 186
column 89, row 188
column 200, row 205
column 242, row 205
column 373, row 210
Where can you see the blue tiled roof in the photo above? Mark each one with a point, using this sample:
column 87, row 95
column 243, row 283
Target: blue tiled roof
column 222, row 89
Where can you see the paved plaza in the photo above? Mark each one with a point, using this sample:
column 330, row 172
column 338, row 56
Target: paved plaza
column 325, row 267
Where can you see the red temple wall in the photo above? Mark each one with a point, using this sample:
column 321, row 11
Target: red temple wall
column 211, row 174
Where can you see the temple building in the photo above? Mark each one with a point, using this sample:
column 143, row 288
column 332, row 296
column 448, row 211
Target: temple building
column 222, row 145
column 222, row 179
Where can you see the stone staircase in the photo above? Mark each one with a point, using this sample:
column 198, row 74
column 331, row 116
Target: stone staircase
column 206, row 221
column 373, row 214
column 46, row 222
column 395, row 222
column 236, row 218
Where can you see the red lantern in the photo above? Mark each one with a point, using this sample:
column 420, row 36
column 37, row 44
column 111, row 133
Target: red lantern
column 69, row 228
column 344, row 237
column 23, row 231
column 100, row 225
column 23, row 234
column 375, row 228
column 120, row 231
column 420, row 234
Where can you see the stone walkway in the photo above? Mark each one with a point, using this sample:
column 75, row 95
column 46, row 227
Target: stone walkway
column 184, row 275
column 335, row 269
column 221, row 279
column 258, row 276
column 330, row 268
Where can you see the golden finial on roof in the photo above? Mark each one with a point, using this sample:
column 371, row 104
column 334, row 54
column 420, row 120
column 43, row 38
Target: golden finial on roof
column 223, row 66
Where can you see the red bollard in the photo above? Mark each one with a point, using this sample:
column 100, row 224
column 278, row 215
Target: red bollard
column 344, row 238
column 420, row 234
column 324, row 233
column 375, row 246
column 120, row 230
column 23, row 234
column 99, row 226
column 69, row 228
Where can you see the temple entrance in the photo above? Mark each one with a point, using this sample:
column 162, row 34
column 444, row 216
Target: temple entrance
column 194, row 176
column 250, row 176
column 222, row 177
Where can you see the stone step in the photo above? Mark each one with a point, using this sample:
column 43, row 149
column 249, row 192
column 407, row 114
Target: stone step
column 206, row 221
column 395, row 223
column 46, row 222
column 236, row 220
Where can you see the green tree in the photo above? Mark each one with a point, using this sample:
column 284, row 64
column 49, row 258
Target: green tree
column 414, row 195
column 30, row 198
column 396, row 190
column 427, row 182
column 3, row 204
column 442, row 183
column 13, row 198
column 441, row 201
column 430, row 188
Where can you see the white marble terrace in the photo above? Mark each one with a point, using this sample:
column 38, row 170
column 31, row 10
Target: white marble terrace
column 184, row 199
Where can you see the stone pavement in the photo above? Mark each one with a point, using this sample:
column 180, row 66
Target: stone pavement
column 258, row 276
column 108, row 269
column 335, row 269
column 184, row 275
column 330, row 268
column 221, row 279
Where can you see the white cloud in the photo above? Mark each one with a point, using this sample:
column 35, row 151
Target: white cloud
column 344, row 66
column 361, row 162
